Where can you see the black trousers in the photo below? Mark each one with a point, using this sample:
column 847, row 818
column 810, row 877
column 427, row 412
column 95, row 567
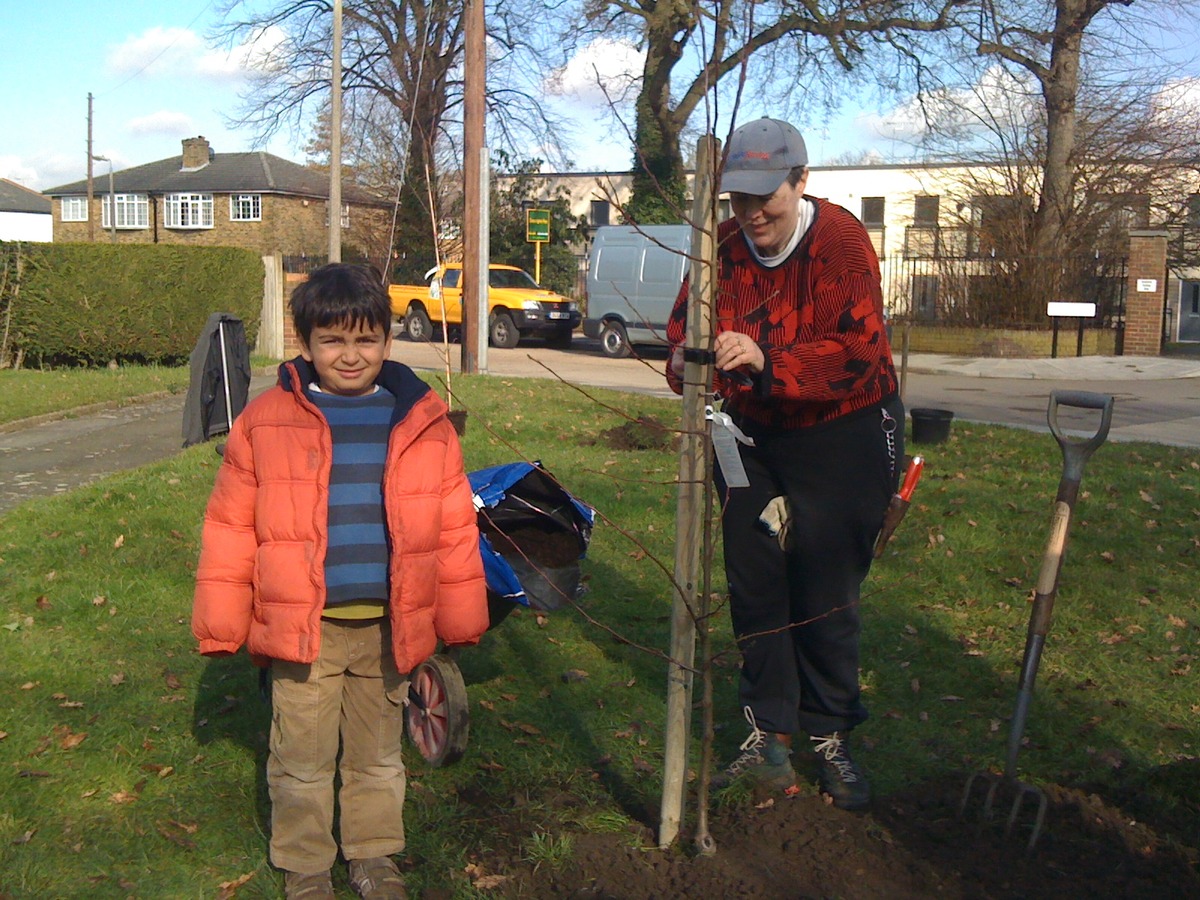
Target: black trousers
column 796, row 613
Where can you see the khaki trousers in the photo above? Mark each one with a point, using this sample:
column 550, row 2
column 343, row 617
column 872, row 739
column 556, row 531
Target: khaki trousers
column 351, row 695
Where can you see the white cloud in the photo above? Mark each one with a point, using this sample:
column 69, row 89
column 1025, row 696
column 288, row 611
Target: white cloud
column 16, row 169
column 164, row 123
column 43, row 170
column 1179, row 98
column 998, row 99
column 181, row 53
column 603, row 71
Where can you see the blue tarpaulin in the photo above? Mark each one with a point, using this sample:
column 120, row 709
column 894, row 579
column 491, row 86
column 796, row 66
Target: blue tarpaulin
column 521, row 494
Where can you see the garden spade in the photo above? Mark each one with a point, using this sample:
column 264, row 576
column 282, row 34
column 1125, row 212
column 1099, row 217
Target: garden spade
column 1076, row 452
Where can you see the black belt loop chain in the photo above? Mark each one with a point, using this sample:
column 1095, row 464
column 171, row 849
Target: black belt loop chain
column 889, row 429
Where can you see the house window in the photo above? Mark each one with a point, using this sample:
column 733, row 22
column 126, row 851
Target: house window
column 133, row 211
column 600, row 212
column 245, row 207
column 74, row 209
column 925, row 211
column 872, row 211
column 345, row 214
column 188, row 210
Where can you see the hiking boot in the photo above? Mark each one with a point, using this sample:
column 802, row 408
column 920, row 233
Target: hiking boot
column 377, row 878
column 838, row 775
column 765, row 759
column 317, row 886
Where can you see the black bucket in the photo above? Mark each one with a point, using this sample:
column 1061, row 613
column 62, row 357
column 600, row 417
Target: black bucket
column 930, row 426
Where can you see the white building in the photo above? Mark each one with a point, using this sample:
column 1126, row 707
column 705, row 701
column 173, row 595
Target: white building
column 24, row 213
column 916, row 213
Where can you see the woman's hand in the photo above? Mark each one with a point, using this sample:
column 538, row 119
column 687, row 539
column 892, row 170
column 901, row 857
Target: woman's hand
column 738, row 351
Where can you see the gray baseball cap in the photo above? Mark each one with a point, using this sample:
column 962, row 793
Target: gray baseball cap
column 761, row 154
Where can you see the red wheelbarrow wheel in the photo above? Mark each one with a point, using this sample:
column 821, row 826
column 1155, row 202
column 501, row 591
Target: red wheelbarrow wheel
column 438, row 717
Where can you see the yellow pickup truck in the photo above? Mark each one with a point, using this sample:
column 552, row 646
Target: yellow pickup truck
column 517, row 307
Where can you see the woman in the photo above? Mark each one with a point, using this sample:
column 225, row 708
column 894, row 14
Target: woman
column 806, row 372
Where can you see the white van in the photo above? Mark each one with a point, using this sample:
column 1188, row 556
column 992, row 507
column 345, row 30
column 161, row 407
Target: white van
column 634, row 276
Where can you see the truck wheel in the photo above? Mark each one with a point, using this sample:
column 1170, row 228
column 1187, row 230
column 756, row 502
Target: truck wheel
column 502, row 332
column 559, row 340
column 614, row 341
column 417, row 325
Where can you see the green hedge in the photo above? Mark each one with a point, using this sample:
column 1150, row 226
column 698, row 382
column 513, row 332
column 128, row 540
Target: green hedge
column 92, row 303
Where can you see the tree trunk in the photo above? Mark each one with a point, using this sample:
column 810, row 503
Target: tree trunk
column 659, row 183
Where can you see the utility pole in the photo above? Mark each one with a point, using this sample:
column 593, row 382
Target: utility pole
column 475, row 195
column 335, row 140
column 91, row 225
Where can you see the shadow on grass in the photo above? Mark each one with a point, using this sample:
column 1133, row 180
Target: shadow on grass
column 233, row 706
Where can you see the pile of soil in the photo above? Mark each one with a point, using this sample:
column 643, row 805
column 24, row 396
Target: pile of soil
column 909, row 846
column 643, row 433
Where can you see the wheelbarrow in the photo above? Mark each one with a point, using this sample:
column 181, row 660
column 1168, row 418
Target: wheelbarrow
column 532, row 534
column 1076, row 451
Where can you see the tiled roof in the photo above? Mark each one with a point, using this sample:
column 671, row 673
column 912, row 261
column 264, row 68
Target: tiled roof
column 256, row 172
column 18, row 198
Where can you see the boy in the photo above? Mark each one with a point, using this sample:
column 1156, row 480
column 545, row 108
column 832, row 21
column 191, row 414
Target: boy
column 340, row 545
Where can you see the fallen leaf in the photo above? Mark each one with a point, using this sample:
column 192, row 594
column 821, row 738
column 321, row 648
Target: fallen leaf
column 116, row 678
column 43, row 602
column 177, row 839
column 487, row 704
column 26, row 837
column 122, row 797
column 71, row 740
column 1108, row 556
column 29, row 685
column 99, row 600
column 229, row 888
column 173, row 681
column 119, row 542
column 529, row 729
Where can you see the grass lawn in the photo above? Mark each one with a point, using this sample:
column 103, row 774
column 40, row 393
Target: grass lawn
column 130, row 766
column 25, row 393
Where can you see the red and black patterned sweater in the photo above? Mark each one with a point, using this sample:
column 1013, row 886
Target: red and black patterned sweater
column 818, row 318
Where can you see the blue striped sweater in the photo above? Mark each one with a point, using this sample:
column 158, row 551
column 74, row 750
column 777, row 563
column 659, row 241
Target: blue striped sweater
column 356, row 561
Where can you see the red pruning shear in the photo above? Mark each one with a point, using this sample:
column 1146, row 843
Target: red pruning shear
column 899, row 503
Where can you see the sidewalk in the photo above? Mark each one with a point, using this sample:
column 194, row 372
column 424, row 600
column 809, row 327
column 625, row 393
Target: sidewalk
column 1082, row 368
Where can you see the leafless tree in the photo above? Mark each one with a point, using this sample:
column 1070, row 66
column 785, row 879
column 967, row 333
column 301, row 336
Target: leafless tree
column 824, row 39
column 401, row 62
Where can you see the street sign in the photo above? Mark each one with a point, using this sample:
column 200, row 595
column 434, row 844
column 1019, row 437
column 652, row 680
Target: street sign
column 537, row 226
column 1064, row 308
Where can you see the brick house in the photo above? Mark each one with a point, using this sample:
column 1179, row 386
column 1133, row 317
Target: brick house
column 254, row 200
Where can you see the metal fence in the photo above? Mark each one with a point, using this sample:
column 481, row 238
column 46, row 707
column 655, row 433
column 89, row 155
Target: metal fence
column 945, row 285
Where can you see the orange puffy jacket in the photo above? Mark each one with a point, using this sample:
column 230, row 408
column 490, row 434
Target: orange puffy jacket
column 261, row 576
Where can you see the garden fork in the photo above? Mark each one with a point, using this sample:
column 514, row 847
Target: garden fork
column 1075, row 454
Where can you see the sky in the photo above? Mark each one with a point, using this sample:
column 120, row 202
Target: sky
column 156, row 78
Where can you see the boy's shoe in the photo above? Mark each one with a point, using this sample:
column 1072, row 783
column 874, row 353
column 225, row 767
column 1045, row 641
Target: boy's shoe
column 765, row 759
column 377, row 878
column 318, row 886
column 838, row 775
